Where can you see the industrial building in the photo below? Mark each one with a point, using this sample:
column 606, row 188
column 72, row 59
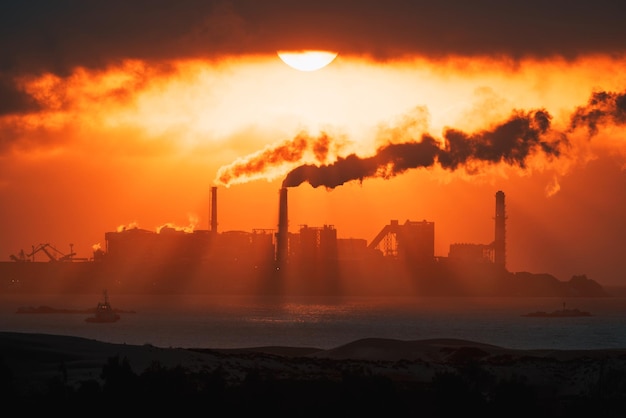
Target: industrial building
column 411, row 240
column 311, row 255
column 313, row 260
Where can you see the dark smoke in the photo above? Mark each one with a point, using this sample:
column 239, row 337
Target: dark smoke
column 603, row 108
column 510, row 142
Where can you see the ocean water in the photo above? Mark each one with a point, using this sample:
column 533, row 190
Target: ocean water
column 209, row 321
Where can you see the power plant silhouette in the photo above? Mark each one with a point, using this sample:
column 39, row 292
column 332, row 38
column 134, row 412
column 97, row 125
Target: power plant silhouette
column 311, row 261
column 400, row 260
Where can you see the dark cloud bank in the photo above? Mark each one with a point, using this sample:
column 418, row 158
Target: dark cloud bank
column 64, row 33
column 56, row 36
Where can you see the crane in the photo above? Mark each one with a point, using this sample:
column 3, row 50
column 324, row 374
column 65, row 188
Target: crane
column 52, row 253
column 20, row 257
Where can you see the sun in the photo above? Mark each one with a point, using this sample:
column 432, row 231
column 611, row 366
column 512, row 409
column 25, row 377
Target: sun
column 307, row 60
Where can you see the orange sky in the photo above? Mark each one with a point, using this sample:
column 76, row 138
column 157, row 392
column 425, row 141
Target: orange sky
column 141, row 139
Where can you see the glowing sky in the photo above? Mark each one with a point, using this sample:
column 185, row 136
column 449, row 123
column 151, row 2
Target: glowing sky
column 117, row 114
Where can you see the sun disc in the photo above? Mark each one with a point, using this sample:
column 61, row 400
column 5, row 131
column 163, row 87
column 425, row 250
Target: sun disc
column 307, row 60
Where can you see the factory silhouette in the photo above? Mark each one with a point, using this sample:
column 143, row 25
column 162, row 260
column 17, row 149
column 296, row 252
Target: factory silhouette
column 311, row 261
column 400, row 260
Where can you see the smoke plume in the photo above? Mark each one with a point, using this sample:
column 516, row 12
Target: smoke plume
column 273, row 158
column 603, row 108
column 511, row 142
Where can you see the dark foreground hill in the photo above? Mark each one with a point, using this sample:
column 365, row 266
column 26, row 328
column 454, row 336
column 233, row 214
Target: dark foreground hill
column 440, row 377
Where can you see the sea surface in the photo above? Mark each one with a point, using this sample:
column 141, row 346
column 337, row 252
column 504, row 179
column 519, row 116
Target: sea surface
column 209, row 321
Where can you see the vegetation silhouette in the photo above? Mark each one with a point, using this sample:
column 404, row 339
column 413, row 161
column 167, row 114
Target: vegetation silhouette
column 467, row 388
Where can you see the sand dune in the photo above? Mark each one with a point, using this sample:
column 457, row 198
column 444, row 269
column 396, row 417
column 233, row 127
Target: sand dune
column 34, row 358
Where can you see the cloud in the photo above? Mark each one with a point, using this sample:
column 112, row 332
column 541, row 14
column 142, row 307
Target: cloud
column 13, row 100
column 42, row 37
column 48, row 36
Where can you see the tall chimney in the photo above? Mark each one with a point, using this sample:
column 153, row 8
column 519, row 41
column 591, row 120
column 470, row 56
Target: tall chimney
column 283, row 226
column 500, row 236
column 214, row 210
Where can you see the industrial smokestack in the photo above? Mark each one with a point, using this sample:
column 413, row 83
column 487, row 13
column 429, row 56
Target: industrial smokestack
column 499, row 243
column 283, row 226
column 214, row 210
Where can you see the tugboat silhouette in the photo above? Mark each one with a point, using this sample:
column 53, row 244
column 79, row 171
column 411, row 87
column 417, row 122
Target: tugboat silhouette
column 104, row 312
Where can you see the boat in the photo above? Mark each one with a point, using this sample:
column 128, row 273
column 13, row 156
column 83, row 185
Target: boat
column 559, row 313
column 104, row 312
